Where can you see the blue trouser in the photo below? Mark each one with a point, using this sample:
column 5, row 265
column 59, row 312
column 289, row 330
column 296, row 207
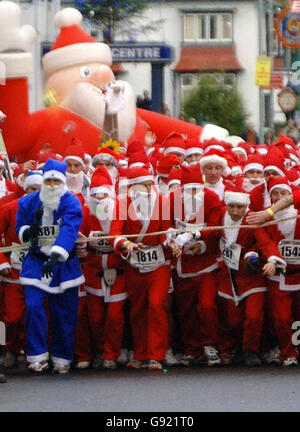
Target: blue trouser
column 63, row 310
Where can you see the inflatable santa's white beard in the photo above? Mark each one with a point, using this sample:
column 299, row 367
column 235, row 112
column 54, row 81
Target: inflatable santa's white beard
column 88, row 101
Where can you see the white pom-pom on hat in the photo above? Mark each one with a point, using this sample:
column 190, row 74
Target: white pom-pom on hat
column 67, row 17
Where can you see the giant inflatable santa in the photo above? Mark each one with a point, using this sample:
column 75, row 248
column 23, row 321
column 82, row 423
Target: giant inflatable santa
column 77, row 71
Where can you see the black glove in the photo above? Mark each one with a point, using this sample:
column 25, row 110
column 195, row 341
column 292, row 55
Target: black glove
column 48, row 267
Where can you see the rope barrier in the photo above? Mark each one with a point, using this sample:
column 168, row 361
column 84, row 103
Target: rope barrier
column 50, row 240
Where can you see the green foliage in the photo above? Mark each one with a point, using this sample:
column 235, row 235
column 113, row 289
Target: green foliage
column 214, row 102
column 109, row 14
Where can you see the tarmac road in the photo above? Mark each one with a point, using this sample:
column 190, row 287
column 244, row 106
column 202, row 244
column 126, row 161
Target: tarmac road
column 198, row 389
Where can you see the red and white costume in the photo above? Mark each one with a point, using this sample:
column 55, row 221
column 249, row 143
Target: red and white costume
column 147, row 272
column 194, row 278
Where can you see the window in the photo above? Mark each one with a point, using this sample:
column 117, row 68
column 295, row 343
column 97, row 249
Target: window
column 208, row 27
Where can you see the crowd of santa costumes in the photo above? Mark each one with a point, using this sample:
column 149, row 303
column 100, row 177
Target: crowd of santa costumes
column 181, row 280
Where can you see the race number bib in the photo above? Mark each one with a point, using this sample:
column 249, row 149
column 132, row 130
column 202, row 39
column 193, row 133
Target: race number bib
column 17, row 257
column 290, row 251
column 46, row 231
column 148, row 259
column 100, row 245
column 231, row 254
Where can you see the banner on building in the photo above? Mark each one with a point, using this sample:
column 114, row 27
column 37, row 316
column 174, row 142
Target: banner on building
column 287, row 26
column 263, row 71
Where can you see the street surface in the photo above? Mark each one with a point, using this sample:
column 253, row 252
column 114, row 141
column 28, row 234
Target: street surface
column 178, row 390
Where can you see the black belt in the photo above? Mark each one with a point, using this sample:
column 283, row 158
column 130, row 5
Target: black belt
column 291, row 271
column 101, row 273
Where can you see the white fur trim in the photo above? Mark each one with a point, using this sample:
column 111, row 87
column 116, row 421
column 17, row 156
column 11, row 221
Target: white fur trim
column 241, row 150
column 179, row 150
column 193, row 185
column 53, row 174
column 5, row 265
column 104, row 157
column 67, row 17
column 281, row 186
column 194, row 150
column 102, row 189
column 212, row 131
column 21, row 231
column 213, row 159
column 174, row 181
column 60, row 361
column 278, row 261
column 53, row 290
column 214, row 147
column 141, row 179
column 275, row 168
column 255, row 166
column 236, row 197
column 31, row 180
column 38, row 358
column 77, row 158
column 61, row 251
column 17, row 65
column 137, row 165
column 118, row 239
column 76, row 54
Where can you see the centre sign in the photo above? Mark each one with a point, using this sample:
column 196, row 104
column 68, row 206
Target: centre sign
column 141, row 53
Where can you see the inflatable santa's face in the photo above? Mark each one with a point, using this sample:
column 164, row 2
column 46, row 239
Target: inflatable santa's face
column 64, row 82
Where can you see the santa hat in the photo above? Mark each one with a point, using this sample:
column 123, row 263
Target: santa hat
column 174, row 177
column 138, row 159
column 278, row 182
column 193, row 146
column 33, row 178
column 54, row 169
column 123, row 177
column 275, row 161
column 166, row 163
column 123, row 163
column 139, row 175
column 285, row 141
column 214, row 156
column 174, row 143
column 73, row 45
column 75, row 151
column 293, row 176
column 101, row 182
column 262, row 149
column 134, row 146
column 191, row 177
column 254, row 162
column 44, row 156
column 240, row 149
column 235, row 194
column 214, row 144
column 106, row 154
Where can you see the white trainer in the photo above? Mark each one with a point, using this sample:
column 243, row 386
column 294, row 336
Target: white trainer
column 123, row 357
column 61, row 369
column 290, row 361
column 83, row 365
column 187, row 360
column 109, row 364
column 170, row 359
column 212, row 355
column 38, row 367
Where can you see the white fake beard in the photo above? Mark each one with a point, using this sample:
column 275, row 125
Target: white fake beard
column 114, row 173
column 102, row 209
column 287, row 228
column 249, row 186
column 193, row 205
column 75, row 182
column 231, row 234
column 163, row 188
column 143, row 202
column 50, row 195
column 88, row 101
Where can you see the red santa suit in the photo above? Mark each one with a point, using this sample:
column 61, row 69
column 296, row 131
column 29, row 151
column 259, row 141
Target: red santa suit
column 194, row 279
column 242, row 293
column 104, row 274
column 147, row 272
column 285, row 287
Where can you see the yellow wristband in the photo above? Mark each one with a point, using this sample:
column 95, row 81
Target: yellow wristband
column 270, row 211
column 125, row 243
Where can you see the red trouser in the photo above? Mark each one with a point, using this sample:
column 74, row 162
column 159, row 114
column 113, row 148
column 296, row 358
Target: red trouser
column 285, row 309
column 197, row 311
column 242, row 322
column 107, row 324
column 83, row 337
column 149, row 320
column 14, row 317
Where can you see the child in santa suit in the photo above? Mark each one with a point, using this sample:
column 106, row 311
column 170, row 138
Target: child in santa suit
column 10, row 272
column 104, row 272
column 241, row 282
column 285, row 286
column 142, row 212
column 194, row 206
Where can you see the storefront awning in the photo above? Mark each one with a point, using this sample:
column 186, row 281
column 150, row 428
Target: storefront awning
column 208, row 58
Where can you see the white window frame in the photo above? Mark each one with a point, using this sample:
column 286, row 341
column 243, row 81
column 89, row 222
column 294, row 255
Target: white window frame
column 207, row 16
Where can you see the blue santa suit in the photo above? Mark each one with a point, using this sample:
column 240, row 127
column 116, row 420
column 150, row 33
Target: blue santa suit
column 61, row 288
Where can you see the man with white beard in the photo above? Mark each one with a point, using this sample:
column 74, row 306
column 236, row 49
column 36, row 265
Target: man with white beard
column 51, row 271
column 253, row 172
column 76, row 180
